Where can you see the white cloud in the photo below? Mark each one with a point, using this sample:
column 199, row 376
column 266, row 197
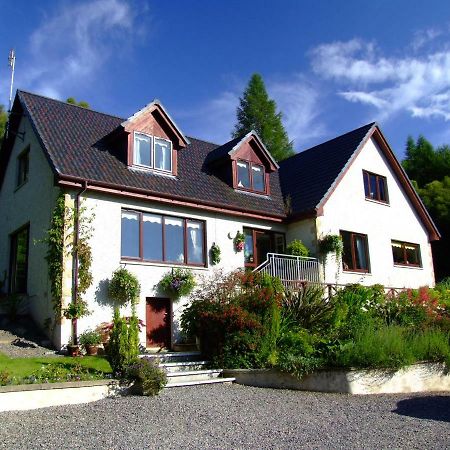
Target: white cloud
column 72, row 46
column 299, row 101
column 411, row 83
column 424, row 37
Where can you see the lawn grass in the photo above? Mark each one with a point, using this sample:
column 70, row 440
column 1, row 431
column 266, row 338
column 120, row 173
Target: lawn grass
column 20, row 368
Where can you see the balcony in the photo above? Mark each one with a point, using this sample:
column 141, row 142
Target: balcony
column 293, row 271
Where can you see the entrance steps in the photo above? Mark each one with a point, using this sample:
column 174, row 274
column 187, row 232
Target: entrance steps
column 187, row 369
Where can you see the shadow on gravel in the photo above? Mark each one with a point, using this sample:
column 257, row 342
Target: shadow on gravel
column 430, row 407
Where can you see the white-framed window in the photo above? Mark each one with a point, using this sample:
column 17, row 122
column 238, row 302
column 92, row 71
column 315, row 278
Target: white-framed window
column 152, row 152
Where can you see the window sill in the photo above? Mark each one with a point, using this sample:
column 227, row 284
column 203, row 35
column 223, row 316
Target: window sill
column 145, row 169
column 356, row 272
column 252, row 193
column 20, row 185
column 136, row 262
column 408, row 266
column 379, row 202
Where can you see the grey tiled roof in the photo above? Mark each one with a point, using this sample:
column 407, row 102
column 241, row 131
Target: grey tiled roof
column 307, row 176
column 73, row 138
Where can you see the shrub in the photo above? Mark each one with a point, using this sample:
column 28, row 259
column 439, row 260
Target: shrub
column 178, row 283
column 123, row 348
column 124, row 287
column 146, row 374
column 308, row 307
column 297, row 248
column 236, row 318
column 431, row 345
column 5, row 377
column 90, row 337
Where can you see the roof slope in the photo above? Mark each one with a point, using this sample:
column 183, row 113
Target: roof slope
column 72, row 138
column 307, row 176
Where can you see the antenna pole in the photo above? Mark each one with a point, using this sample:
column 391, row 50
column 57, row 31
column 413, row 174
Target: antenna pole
column 12, row 63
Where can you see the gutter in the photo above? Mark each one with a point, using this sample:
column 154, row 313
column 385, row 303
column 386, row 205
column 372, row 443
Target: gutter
column 75, row 261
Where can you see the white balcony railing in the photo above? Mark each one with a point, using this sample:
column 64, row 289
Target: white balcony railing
column 292, row 270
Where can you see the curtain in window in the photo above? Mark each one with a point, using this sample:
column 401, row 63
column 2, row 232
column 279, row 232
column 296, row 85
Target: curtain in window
column 130, row 234
column 152, row 245
column 195, row 242
column 142, row 147
column 360, row 253
column 162, row 155
column 174, row 239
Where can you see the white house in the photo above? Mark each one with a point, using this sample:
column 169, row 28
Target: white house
column 160, row 200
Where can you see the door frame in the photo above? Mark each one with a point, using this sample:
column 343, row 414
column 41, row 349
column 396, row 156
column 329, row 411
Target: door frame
column 272, row 235
column 147, row 299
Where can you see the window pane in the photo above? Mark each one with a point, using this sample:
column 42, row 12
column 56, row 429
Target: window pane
column 347, row 262
column 366, row 184
column 248, row 247
column 412, row 254
column 195, row 242
column 152, row 236
column 174, row 240
column 163, row 154
column 19, row 249
column 142, row 147
column 243, row 175
column 258, row 177
column 397, row 253
column 23, row 166
column 360, row 243
column 382, row 189
column 372, row 186
column 130, row 234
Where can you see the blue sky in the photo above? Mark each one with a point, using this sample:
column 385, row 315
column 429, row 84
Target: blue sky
column 330, row 66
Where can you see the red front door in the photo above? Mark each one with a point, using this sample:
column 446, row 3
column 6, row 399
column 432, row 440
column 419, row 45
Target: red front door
column 158, row 322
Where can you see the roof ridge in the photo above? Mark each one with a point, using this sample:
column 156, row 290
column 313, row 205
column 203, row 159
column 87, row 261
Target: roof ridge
column 370, row 125
column 69, row 104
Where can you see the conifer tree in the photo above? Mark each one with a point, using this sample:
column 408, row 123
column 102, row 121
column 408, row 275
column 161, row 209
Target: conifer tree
column 257, row 111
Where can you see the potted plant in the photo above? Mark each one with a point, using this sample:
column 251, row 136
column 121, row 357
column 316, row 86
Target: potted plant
column 215, row 254
column 178, row 282
column 73, row 349
column 239, row 240
column 90, row 339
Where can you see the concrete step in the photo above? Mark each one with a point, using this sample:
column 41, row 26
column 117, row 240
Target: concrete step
column 198, row 382
column 184, row 366
column 193, row 375
column 168, row 357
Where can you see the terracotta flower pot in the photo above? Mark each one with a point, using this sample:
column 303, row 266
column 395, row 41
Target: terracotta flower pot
column 91, row 350
column 73, row 350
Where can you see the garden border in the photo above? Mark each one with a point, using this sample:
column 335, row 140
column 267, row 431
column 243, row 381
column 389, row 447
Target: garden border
column 421, row 377
column 33, row 396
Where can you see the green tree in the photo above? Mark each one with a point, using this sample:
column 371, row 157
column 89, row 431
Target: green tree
column 3, row 120
column 429, row 169
column 256, row 111
column 81, row 103
column 424, row 163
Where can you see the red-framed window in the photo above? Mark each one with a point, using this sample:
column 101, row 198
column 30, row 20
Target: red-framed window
column 406, row 254
column 19, row 249
column 355, row 257
column 258, row 243
column 375, row 187
column 250, row 176
column 160, row 238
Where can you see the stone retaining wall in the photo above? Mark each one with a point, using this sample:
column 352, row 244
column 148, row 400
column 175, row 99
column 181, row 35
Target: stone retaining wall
column 424, row 377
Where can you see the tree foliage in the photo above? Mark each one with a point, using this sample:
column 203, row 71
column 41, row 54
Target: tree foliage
column 256, row 111
column 3, row 120
column 81, row 103
column 429, row 169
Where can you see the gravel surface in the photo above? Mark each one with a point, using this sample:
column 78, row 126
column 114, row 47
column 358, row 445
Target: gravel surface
column 24, row 329
column 233, row 416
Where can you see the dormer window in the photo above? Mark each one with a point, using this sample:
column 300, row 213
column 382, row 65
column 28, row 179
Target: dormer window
column 152, row 152
column 250, row 176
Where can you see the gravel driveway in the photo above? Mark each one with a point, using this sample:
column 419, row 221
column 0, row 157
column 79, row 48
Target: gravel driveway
column 234, row 416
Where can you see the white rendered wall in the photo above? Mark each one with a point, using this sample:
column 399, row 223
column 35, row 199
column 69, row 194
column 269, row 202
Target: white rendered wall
column 106, row 241
column 347, row 209
column 32, row 202
column 305, row 230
